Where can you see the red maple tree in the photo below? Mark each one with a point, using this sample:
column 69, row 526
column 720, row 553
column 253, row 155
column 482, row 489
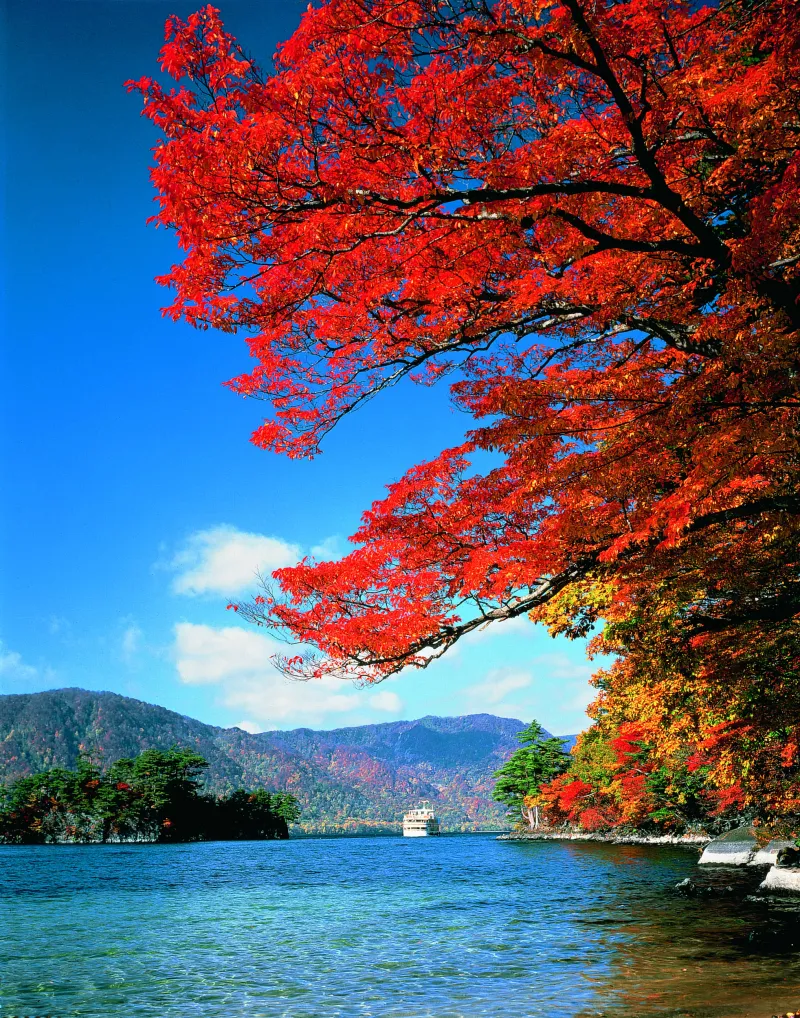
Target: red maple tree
column 583, row 216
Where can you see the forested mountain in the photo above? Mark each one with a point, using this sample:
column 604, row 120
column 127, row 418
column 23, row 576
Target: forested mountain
column 348, row 779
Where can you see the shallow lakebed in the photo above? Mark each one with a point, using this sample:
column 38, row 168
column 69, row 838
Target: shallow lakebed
column 449, row 927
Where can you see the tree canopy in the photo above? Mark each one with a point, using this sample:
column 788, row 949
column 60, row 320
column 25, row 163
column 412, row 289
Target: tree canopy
column 157, row 796
column 584, row 219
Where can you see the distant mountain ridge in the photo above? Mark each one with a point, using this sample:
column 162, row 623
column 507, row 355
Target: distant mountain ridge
column 349, row 779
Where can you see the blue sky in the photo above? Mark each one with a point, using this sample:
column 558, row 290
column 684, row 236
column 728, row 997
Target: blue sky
column 133, row 503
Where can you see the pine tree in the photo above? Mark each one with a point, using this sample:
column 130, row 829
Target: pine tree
column 538, row 760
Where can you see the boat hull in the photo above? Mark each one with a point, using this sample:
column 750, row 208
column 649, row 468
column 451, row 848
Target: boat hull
column 418, row 830
column 420, row 823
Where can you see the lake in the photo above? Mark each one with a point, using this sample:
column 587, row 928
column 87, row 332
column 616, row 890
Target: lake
column 449, row 927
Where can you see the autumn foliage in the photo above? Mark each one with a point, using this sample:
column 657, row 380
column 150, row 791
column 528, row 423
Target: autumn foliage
column 584, row 218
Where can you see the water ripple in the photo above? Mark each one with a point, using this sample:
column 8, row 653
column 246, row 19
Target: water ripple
column 456, row 927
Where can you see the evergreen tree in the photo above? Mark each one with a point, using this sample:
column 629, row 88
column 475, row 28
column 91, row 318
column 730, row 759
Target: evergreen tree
column 538, row 760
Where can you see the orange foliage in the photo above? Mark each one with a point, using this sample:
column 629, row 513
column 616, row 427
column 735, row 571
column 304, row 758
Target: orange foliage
column 586, row 216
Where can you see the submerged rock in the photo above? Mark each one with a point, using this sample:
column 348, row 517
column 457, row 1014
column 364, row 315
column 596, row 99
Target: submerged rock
column 736, row 848
column 692, row 889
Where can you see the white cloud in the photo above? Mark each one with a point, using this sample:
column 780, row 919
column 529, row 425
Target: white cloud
column 503, row 669
column 130, row 642
column 239, row 662
column 253, row 727
column 495, row 687
column 280, row 701
column 209, row 655
column 17, row 676
column 224, row 560
column 386, row 701
column 13, row 667
column 330, row 549
column 551, row 688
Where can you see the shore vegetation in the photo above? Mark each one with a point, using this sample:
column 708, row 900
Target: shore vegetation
column 155, row 797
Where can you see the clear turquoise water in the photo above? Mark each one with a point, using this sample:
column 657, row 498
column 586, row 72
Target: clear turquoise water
column 447, row 927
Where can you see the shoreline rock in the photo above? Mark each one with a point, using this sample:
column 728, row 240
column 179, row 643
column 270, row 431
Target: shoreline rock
column 735, row 848
column 768, row 855
column 782, row 878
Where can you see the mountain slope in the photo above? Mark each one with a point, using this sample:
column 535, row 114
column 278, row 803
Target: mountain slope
column 347, row 779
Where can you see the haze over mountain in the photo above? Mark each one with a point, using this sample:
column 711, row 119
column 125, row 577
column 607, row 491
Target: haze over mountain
column 348, row 779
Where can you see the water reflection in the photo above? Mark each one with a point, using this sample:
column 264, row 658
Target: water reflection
column 724, row 952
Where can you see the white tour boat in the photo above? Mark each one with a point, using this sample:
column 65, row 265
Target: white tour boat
column 421, row 822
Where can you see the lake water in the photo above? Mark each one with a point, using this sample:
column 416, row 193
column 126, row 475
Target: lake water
column 441, row 927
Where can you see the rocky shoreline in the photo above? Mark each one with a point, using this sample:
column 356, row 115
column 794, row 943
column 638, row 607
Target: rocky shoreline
column 688, row 840
column 740, row 847
column 743, row 848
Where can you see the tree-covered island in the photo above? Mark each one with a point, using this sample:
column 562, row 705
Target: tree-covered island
column 156, row 797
